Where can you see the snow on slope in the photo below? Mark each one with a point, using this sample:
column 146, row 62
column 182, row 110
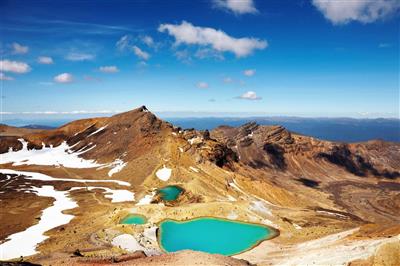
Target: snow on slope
column 56, row 156
column 24, row 243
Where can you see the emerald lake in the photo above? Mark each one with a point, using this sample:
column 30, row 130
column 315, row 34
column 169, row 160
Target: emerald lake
column 134, row 219
column 169, row 193
column 211, row 235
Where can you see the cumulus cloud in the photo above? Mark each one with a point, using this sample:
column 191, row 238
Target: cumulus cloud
column 249, row 72
column 364, row 11
column 202, row 85
column 186, row 33
column 76, row 56
column 14, row 66
column 45, row 60
column 19, row 49
column 108, row 69
column 64, row 78
column 140, row 53
column 249, row 95
column 237, row 7
column 5, row 77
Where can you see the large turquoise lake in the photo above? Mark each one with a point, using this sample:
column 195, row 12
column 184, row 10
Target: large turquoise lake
column 211, row 235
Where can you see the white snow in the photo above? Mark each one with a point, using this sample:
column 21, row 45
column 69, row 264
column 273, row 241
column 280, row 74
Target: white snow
column 150, row 233
column 43, row 177
column 97, row 131
column 117, row 195
column 24, row 243
column 195, row 140
column 117, row 165
column 127, row 242
column 56, row 156
column 146, row 199
column 194, row 169
column 164, row 173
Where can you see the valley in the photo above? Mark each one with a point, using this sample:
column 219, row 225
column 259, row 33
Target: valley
column 67, row 190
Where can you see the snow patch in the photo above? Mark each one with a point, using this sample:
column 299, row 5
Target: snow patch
column 127, row 242
column 24, row 243
column 62, row 155
column 195, row 140
column 117, row 195
column 146, row 199
column 98, row 130
column 164, row 173
column 150, row 233
column 117, row 165
column 43, row 177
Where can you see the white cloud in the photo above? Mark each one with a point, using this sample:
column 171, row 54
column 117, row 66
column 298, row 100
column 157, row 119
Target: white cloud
column 108, row 69
column 140, row 53
column 249, row 72
column 46, row 60
column 19, row 49
column 220, row 41
column 76, row 56
column 364, row 11
column 202, row 85
column 208, row 53
column 5, row 77
column 238, row 7
column 14, row 66
column 64, row 78
column 123, row 42
column 148, row 40
column 249, row 95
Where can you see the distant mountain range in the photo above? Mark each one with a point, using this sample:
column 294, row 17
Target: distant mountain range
column 333, row 129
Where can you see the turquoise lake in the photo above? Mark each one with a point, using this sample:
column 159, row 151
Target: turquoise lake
column 134, row 219
column 211, row 235
column 169, row 193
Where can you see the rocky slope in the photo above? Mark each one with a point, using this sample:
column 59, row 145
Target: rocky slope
column 307, row 188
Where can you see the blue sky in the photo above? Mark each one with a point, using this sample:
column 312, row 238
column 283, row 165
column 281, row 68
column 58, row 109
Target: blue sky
column 301, row 58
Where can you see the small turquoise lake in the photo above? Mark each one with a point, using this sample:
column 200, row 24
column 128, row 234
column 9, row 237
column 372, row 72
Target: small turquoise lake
column 170, row 193
column 134, row 219
column 211, row 235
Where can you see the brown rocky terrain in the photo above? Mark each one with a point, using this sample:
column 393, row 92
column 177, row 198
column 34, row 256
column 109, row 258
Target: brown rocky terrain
column 323, row 197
